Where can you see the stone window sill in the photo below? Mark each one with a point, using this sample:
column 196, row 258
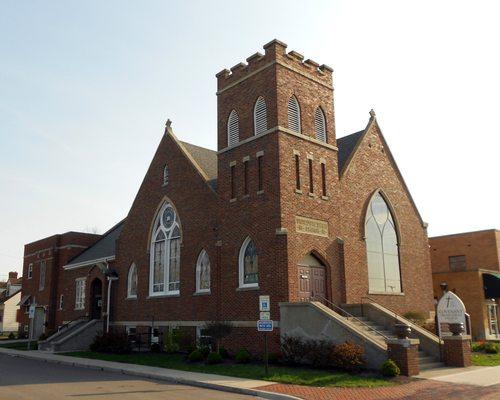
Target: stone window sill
column 298, row 191
column 201, row 293
column 232, row 200
column 260, row 192
column 160, row 296
column 311, row 194
column 246, row 289
column 386, row 294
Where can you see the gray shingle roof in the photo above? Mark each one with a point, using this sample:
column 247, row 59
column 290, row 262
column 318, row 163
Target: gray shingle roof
column 206, row 158
column 346, row 145
column 105, row 247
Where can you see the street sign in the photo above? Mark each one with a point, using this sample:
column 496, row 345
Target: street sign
column 265, row 326
column 32, row 311
column 264, row 303
column 265, row 315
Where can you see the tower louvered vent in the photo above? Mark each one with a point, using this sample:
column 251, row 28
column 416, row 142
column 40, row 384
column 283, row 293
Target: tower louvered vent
column 320, row 125
column 294, row 115
column 233, row 129
column 260, row 116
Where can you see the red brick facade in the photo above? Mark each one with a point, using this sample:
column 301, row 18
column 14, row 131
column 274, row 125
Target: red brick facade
column 219, row 219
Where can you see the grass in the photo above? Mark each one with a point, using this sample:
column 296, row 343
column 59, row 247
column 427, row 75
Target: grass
column 481, row 358
column 281, row 374
column 20, row 346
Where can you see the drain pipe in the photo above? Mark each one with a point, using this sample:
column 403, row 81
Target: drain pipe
column 112, row 276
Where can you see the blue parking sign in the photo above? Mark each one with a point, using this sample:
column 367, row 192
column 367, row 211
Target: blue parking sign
column 265, row 326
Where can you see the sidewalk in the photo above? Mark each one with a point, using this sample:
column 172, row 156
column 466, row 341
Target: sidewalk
column 210, row 381
column 479, row 376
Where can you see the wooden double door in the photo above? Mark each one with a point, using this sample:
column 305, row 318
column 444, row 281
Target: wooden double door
column 312, row 283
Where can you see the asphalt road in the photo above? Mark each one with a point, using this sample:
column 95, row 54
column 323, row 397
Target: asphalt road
column 25, row 379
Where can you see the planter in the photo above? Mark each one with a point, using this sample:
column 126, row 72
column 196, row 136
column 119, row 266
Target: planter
column 403, row 331
column 457, row 328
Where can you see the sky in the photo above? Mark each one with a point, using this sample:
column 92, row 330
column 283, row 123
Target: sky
column 86, row 88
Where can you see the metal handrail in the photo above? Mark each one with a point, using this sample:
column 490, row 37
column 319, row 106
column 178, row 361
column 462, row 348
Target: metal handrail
column 67, row 324
column 349, row 315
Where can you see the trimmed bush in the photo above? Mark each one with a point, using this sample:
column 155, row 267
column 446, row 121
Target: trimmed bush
column 11, row 336
column 111, row 342
column 294, row 350
column 390, row 369
column 224, row 353
column 195, row 356
column 319, row 353
column 490, row 348
column 347, row 356
column 214, row 358
column 171, row 343
column 242, row 356
column 205, row 351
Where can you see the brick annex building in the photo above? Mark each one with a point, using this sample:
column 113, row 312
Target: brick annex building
column 282, row 208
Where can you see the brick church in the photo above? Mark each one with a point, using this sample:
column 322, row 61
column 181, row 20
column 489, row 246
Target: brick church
column 282, row 208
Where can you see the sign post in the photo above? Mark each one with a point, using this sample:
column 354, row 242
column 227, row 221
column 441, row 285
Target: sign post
column 31, row 315
column 265, row 324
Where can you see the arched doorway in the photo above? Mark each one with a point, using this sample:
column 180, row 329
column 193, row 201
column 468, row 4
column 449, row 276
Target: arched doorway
column 96, row 299
column 312, row 279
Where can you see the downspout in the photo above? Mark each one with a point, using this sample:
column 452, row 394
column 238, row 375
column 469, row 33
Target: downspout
column 112, row 276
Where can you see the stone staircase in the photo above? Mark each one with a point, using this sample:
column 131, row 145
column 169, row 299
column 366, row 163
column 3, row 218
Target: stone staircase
column 75, row 336
column 428, row 359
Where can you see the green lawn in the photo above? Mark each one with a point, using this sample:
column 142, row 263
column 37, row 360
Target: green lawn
column 282, row 374
column 485, row 360
column 20, row 346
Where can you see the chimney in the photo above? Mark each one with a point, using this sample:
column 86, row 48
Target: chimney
column 12, row 275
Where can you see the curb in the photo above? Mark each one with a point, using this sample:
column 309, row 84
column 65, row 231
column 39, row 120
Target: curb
column 73, row 361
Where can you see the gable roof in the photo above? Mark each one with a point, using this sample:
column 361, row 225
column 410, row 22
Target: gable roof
column 206, row 160
column 102, row 250
column 346, row 146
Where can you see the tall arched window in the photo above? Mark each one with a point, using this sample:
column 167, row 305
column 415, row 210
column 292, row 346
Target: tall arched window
column 382, row 247
column 165, row 253
column 320, row 124
column 233, row 129
column 248, row 264
column 294, row 115
column 260, row 116
column 132, row 282
column 203, row 273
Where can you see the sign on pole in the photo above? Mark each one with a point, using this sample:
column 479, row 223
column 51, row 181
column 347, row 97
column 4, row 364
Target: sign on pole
column 31, row 311
column 265, row 315
column 264, row 303
column 450, row 310
column 265, row 326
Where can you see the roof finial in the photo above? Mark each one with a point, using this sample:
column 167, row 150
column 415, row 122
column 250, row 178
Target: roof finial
column 167, row 125
column 372, row 113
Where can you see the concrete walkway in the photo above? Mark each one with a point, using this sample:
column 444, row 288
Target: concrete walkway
column 211, row 381
column 478, row 376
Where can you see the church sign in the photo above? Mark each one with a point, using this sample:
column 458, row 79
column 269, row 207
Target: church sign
column 450, row 310
column 311, row 226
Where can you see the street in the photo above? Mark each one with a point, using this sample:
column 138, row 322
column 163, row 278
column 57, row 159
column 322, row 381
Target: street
column 30, row 379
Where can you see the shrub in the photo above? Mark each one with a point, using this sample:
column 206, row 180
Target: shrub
column 155, row 348
column 218, row 330
column 111, row 343
column 347, row 356
column 11, row 336
column 195, row 356
column 390, row 369
column 223, row 352
column 273, row 358
column 205, row 351
column 491, row 348
column 416, row 317
column 478, row 346
column 171, row 342
column 242, row 356
column 319, row 353
column 294, row 350
column 214, row 358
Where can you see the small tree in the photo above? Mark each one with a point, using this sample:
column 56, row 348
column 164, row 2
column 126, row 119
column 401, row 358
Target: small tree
column 218, row 330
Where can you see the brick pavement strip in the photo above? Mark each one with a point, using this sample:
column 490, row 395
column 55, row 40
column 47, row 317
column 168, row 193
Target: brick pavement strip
column 421, row 390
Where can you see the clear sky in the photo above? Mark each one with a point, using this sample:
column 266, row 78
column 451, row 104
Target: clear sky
column 86, row 87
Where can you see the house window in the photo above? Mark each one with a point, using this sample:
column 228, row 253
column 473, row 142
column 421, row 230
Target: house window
column 165, row 253
column 323, row 179
column 297, row 172
column 41, row 283
column 294, row 115
column 203, row 273
column 320, row 124
column 233, row 129
column 457, row 263
column 260, row 116
column 260, row 171
column 382, row 247
column 311, row 181
column 80, row 294
column 232, row 182
column 30, row 271
column 132, row 282
column 492, row 311
column 61, row 302
column 248, row 264
column 245, row 177
column 165, row 175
